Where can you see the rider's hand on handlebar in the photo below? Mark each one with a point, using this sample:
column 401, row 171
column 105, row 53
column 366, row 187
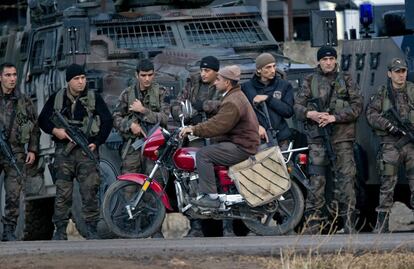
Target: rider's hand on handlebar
column 263, row 133
column 260, row 98
column 186, row 131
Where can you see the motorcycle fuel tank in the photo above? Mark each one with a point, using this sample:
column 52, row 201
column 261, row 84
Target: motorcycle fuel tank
column 184, row 158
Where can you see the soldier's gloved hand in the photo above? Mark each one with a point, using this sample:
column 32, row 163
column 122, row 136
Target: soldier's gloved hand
column 394, row 130
column 198, row 105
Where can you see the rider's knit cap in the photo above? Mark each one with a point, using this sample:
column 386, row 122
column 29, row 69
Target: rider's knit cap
column 231, row 72
column 74, row 70
column 264, row 59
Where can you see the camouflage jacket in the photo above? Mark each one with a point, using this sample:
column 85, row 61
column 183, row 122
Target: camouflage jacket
column 195, row 91
column 157, row 110
column 380, row 103
column 19, row 109
column 344, row 102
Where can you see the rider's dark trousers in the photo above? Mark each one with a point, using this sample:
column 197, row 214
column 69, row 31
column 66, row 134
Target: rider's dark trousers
column 225, row 153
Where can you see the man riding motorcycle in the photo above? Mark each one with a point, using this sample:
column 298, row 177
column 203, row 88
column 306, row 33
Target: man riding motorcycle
column 236, row 125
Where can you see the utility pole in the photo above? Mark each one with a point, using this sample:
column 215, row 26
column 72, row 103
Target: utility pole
column 264, row 11
column 287, row 20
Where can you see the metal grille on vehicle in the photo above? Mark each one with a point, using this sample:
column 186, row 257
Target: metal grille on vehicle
column 224, row 31
column 139, row 36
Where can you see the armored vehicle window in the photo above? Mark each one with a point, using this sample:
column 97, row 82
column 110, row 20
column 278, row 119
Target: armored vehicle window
column 23, row 46
column 224, row 31
column 139, row 36
column 3, row 47
column 37, row 53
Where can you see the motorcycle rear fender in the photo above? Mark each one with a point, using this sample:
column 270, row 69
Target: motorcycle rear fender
column 155, row 186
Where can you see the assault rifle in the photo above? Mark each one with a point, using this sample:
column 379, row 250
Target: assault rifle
column 403, row 125
column 7, row 152
column 325, row 132
column 75, row 134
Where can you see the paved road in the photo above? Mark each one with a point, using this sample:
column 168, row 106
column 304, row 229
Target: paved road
column 253, row 245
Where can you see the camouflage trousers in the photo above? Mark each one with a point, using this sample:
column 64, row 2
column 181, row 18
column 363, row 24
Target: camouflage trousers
column 13, row 185
column 343, row 198
column 389, row 160
column 67, row 168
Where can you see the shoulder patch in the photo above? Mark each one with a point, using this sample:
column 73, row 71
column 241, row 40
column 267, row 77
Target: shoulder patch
column 277, row 95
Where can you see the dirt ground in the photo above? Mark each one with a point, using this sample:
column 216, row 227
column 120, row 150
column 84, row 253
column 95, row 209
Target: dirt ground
column 287, row 260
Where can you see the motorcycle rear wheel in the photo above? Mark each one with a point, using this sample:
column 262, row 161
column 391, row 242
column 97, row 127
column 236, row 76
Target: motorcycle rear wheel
column 148, row 216
column 284, row 218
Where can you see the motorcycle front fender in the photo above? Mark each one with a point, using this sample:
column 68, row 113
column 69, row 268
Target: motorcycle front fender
column 155, row 186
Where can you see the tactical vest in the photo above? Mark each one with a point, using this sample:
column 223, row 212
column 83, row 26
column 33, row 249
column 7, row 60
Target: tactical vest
column 386, row 104
column 338, row 103
column 152, row 97
column 89, row 124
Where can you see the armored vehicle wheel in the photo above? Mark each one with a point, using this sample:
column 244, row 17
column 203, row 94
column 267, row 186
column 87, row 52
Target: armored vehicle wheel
column 148, row 216
column 281, row 216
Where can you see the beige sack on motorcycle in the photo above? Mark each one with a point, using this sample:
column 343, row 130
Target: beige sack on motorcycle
column 262, row 177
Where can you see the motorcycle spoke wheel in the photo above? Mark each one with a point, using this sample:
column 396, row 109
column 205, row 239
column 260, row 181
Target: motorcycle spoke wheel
column 147, row 217
column 280, row 216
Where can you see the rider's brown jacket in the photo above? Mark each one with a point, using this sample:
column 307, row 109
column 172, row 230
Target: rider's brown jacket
column 235, row 121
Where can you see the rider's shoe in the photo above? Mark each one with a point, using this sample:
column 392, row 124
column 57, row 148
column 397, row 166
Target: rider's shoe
column 206, row 201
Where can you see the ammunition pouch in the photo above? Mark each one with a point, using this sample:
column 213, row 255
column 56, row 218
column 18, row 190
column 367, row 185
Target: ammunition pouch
column 24, row 132
column 387, row 169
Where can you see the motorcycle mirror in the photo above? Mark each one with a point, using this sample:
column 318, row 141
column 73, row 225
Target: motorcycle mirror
column 181, row 116
column 187, row 108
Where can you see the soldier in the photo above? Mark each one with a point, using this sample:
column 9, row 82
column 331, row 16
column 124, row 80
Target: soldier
column 340, row 104
column 236, row 124
column 18, row 128
column 86, row 110
column 205, row 99
column 139, row 107
column 396, row 148
column 264, row 86
column 201, row 92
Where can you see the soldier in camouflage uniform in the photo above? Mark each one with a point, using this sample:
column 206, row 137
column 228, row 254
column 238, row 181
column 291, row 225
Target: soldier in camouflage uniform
column 396, row 148
column 341, row 105
column 139, row 108
column 205, row 100
column 18, row 121
column 86, row 110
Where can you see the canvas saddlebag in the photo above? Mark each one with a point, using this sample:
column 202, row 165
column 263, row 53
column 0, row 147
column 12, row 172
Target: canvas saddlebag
column 262, row 177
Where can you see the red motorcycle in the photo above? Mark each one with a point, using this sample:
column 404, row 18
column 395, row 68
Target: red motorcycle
column 135, row 205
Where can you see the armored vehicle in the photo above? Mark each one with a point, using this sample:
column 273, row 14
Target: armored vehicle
column 109, row 37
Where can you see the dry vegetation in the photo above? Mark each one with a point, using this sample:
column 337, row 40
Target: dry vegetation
column 285, row 260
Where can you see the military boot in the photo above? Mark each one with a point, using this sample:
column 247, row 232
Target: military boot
column 8, row 233
column 60, row 231
column 91, row 230
column 195, row 229
column 382, row 223
column 313, row 224
column 228, row 228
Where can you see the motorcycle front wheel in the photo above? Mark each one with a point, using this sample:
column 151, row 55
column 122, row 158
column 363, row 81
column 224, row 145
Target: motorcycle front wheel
column 280, row 216
column 148, row 216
